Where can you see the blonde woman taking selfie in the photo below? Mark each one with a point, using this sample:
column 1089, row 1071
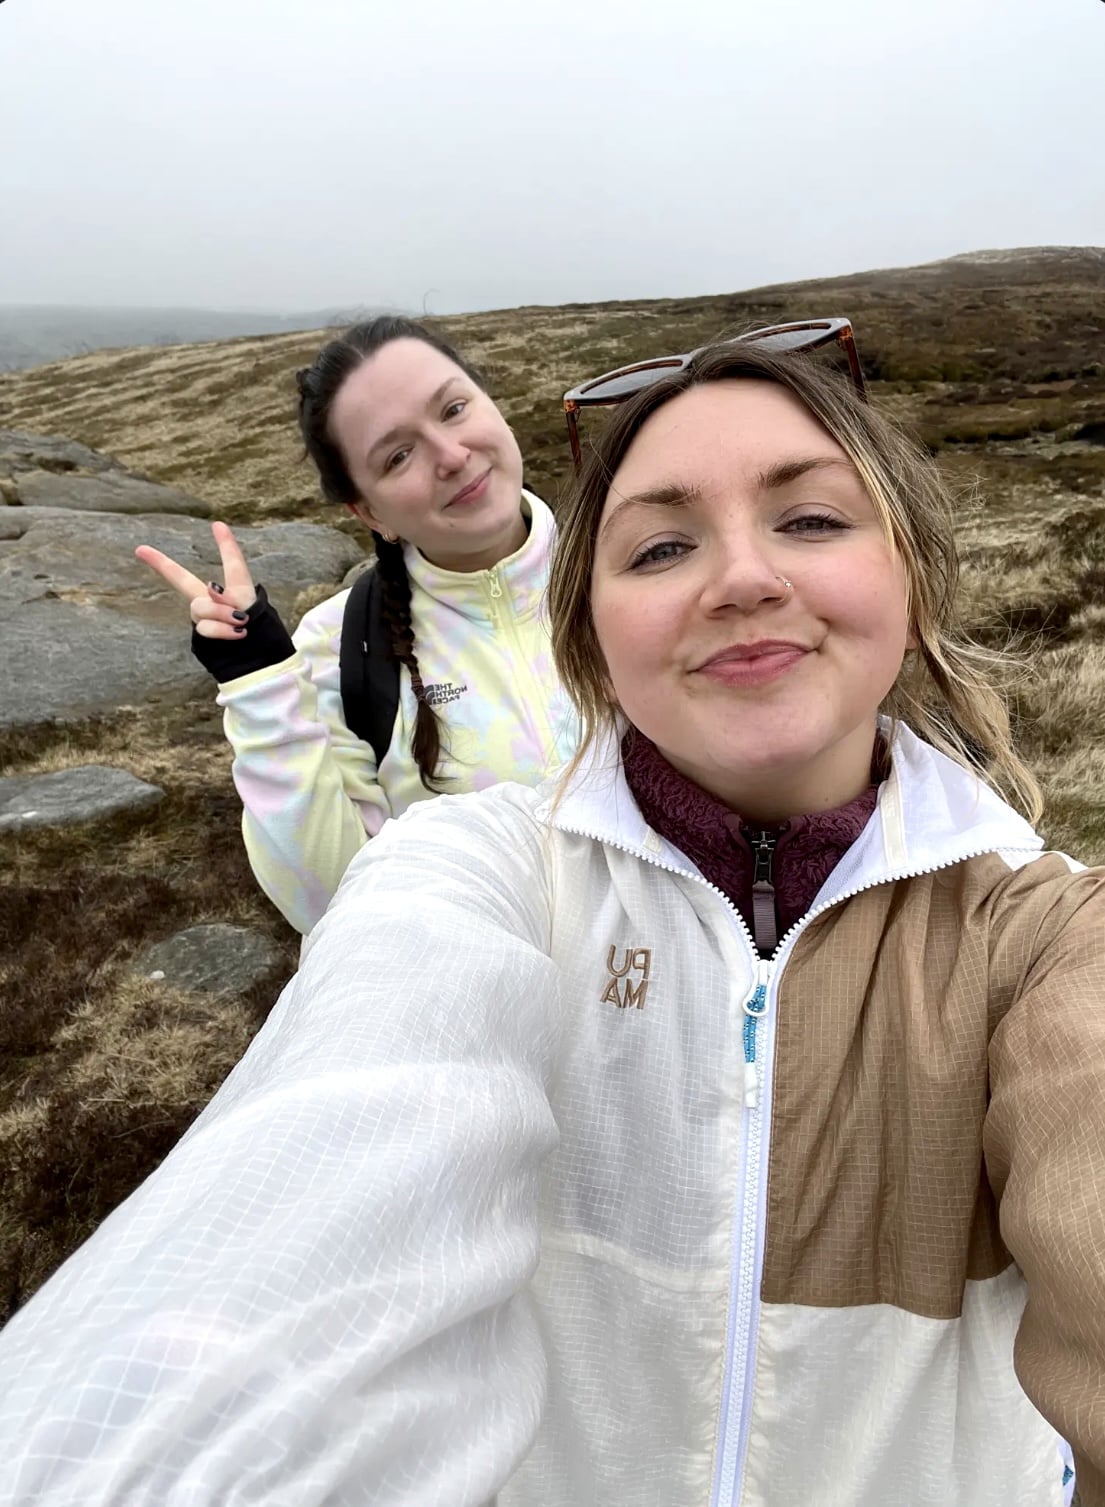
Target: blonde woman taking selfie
column 723, row 1125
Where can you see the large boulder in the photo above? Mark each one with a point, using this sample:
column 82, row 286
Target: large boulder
column 87, row 628
column 111, row 492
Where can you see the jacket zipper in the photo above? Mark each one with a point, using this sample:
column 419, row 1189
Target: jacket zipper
column 746, row 1257
column 744, row 1309
column 765, row 923
column 506, row 621
column 495, row 591
column 746, row 1263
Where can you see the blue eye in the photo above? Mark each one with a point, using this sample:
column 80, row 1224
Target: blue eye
column 815, row 523
column 660, row 553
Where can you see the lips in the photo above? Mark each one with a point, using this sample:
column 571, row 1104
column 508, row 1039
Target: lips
column 472, row 492
column 740, row 653
column 753, row 664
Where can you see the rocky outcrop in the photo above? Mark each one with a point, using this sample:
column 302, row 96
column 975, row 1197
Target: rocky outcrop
column 113, row 492
column 87, row 628
column 43, row 471
column 46, row 452
column 69, row 797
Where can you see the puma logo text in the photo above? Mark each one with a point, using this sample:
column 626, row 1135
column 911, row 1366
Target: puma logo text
column 629, row 975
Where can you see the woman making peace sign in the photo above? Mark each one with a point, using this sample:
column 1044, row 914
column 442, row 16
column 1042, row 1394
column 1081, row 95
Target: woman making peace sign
column 404, row 434
column 589, row 1162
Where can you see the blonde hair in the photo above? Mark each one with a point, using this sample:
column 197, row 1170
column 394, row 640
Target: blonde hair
column 949, row 687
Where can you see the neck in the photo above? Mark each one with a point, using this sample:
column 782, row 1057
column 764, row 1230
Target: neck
column 769, row 796
column 486, row 559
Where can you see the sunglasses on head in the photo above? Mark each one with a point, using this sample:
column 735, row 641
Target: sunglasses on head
column 616, row 386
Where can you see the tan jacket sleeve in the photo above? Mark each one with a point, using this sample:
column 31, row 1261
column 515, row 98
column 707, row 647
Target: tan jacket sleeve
column 1044, row 1144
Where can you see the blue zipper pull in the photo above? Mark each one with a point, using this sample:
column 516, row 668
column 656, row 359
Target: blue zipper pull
column 754, row 1007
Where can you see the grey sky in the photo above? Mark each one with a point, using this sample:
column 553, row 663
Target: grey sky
column 270, row 155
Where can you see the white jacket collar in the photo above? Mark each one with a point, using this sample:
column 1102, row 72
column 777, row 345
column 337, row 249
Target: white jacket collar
column 518, row 582
column 931, row 812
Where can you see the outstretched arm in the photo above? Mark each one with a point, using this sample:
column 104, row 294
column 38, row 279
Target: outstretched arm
column 325, row 1282
column 1045, row 1153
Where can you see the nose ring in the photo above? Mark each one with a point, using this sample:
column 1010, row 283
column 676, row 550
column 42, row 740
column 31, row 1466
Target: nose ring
column 787, row 586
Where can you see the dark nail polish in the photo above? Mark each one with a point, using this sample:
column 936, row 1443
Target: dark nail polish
column 239, row 630
column 214, row 585
column 243, row 617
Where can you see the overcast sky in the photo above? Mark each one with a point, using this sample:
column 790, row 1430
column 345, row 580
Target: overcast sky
column 432, row 154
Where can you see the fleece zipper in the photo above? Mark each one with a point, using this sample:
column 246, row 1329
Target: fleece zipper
column 533, row 702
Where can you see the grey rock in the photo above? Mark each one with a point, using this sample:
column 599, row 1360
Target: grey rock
column 351, row 574
column 87, row 628
column 25, row 452
column 114, row 492
column 71, row 796
column 68, row 660
column 212, row 959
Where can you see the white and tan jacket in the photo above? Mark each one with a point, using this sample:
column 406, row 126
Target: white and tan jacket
column 497, row 1208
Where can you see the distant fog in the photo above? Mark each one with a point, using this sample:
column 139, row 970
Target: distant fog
column 32, row 334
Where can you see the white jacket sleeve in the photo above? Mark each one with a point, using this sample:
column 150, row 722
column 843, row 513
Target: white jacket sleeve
column 320, row 1296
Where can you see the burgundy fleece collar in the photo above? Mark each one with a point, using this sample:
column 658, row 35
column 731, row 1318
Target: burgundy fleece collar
column 713, row 836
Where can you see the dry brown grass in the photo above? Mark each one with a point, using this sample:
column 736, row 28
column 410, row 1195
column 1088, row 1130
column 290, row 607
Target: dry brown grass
column 997, row 368
column 131, row 1064
column 101, row 1071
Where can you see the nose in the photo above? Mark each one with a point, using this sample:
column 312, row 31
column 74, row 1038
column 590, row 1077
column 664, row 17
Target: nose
column 450, row 455
column 741, row 573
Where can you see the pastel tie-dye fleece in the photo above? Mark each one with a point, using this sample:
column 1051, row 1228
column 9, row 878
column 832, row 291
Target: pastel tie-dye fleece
column 311, row 791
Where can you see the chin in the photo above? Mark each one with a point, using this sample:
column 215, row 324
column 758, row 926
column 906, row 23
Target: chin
column 768, row 760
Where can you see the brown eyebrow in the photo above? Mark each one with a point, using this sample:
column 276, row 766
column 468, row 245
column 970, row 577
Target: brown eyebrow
column 667, row 495
column 393, row 434
column 786, row 471
column 676, row 495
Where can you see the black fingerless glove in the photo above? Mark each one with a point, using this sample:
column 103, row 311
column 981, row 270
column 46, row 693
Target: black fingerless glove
column 265, row 643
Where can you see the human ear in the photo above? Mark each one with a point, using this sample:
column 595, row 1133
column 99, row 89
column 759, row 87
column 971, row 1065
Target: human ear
column 362, row 511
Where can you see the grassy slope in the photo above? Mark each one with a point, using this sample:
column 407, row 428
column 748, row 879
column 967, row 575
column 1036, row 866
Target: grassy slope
column 997, row 365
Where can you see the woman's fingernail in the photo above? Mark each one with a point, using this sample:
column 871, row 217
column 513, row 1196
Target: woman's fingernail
column 239, row 630
column 243, row 617
column 214, row 585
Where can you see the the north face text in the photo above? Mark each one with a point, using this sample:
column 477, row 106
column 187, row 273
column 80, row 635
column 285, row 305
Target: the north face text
column 629, row 968
column 444, row 692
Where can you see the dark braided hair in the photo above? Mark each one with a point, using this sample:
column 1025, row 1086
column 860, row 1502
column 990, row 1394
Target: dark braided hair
column 318, row 387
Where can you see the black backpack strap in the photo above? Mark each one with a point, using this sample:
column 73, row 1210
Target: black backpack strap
column 369, row 669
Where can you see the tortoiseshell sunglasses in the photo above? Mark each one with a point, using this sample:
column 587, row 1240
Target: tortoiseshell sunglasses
column 616, row 386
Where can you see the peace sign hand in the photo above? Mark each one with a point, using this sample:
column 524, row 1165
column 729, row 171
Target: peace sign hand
column 217, row 611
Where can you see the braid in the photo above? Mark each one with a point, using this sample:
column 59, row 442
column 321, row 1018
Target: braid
column 396, row 584
column 318, row 386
